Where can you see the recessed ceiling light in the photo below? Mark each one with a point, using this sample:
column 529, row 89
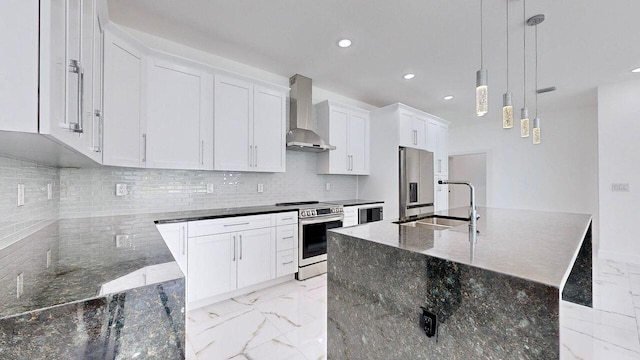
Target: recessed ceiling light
column 344, row 43
column 636, row 70
column 448, row 97
column 409, row 76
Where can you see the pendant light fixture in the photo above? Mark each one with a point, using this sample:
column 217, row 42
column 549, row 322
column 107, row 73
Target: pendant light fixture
column 524, row 113
column 534, row 21
column 482, row 91
column 507, row 103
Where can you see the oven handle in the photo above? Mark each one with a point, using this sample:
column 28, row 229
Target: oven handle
column 323, row 219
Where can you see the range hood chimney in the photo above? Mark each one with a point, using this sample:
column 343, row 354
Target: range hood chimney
column 301, row 136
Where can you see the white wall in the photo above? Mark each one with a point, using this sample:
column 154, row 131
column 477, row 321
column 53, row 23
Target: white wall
column 473, row 168
column 558, row 175
column 619, row 159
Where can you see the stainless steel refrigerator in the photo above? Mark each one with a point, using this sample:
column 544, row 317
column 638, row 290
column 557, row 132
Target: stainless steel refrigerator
column 416, row 182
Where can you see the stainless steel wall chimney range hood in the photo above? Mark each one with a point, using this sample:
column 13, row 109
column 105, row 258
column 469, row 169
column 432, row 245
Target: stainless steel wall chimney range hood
column 301, row 136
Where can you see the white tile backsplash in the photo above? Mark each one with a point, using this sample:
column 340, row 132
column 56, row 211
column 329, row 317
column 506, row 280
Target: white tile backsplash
column 91, row 192
column 37, row 211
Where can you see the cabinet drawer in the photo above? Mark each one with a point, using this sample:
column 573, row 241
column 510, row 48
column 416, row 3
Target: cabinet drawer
column 286, row 237
column 350, row 211
column 287, row 218
column 286, row 262
column 232, row 224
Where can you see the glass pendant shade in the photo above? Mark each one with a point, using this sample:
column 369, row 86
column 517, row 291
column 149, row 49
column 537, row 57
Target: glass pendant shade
column 482, row 93
column 536, row 130
column 524, row 123
column 507, row 111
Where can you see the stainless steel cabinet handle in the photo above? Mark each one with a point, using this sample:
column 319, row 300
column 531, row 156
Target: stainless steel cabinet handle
column 184, row 241
column 351, row 162
column 288, row 262
column 288, row 218
column 97, row 114
column 237, row 224
column 234, row 248
column 250, row 155
column 202, row 152
column 144, row 147
column 287, row 237
column 255, row 158
column 240, row 247
column 76, row 68
column 439, row 165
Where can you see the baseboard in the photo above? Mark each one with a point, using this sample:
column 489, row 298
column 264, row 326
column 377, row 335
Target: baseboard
column 618, row 256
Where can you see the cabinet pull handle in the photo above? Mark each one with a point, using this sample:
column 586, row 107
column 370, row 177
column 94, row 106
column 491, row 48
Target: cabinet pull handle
column 251, row 155
column 240, row 247
column 287, row 237
column 236, row 224
column 202, row 152
column 255, row 158
column 288, row 218
column 184, row 241
column 351, row 162
column 288, row 262
column 439, row 165
column 97, row 130
column 76, row 68
column 234, row 248
column 144, row 147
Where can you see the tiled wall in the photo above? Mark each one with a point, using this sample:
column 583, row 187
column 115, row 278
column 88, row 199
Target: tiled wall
column 37, row 212
column 91, row 192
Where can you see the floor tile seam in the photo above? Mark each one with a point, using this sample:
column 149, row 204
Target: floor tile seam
column 604, row 341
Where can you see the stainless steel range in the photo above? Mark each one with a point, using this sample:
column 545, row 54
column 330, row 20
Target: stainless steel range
column 314, row 219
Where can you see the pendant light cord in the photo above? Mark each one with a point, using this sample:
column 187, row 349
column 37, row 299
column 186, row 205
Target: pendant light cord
column 536, row 70
column 481, row 38
column 508, row 45
column 524, row 50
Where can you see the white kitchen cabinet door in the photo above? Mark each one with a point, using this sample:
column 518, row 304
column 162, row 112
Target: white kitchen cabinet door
column 124, row 141
column 212, row 265
column 405, row 127
column 339, row 159
column 175, row 236
column 442, row 150
column 359, row 143
column 420, row 125
column 19, row 64
column 256, row 256
column 432, row 136
column 268, row 131
column 177, row 115
column 94, row 133
column 350, row 216
column 233, row 114
column 442, row 194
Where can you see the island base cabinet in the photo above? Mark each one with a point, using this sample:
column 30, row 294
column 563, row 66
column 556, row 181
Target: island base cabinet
column 212, row 266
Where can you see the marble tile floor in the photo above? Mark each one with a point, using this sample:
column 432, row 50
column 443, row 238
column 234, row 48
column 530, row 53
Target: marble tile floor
column 288, row 321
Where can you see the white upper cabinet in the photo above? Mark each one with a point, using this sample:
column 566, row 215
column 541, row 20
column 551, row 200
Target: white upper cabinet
column 124, row 139
column 180, row 116
column 413, row 130
column 346, row 128
column 19, row 65
column 439, row 144
column 249, row 126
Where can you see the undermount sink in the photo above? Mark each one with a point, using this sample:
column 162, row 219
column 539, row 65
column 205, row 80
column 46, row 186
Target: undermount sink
column 437, row 222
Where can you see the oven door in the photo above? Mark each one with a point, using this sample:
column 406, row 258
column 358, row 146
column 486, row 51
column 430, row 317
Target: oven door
column 312, row 238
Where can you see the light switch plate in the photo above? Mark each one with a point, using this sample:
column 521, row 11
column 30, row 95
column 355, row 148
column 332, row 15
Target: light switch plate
column 20, row 194
column 123, row 241
column 121, row 189
column 210, row 189
column 260, row 188
column 49, row 191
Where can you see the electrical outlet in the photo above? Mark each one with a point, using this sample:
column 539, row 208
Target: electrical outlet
column 428, row 322
column 121, row 189
column 48, row 258
column 327, row 186
column 260, row 188
column 620, row 187
column 122, row 241
column 20, row 194
column 49, row 191
column 210, row 189
column 20, row 285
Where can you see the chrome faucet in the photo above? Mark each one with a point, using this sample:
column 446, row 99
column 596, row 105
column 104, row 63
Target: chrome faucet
column 473, row 211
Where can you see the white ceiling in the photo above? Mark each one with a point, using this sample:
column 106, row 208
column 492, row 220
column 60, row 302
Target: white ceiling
column 582, row 43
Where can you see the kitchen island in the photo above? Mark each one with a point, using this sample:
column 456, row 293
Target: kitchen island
column 495, row 298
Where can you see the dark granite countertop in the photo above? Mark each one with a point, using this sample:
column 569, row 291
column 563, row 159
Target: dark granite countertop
column 194, row 215
column 532, row 245
column 353, row 202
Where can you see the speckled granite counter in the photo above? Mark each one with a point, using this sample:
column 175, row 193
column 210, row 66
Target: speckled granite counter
column 88, row 295
column 496, row 299
column 354, row 202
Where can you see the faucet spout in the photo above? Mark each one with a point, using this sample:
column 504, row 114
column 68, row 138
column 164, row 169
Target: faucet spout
column 473, row 211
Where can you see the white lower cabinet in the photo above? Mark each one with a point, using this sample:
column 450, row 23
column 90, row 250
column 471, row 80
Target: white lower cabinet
column 350, row 216
column 224, row 255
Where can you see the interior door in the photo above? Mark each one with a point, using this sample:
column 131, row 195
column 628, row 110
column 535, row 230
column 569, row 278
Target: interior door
column 269, row 114
column 256, row 256
column 233, row 114
column 358, row 135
